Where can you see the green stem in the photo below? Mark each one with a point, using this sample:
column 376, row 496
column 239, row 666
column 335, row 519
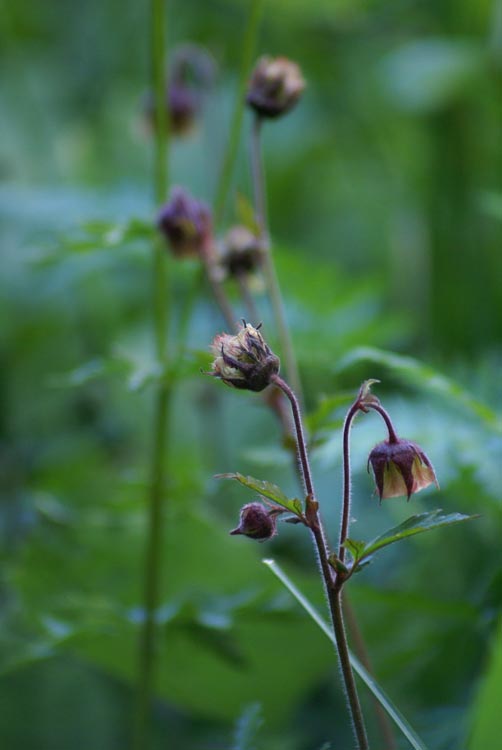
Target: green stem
column 155, row 513
column 271, row 279
column 248, row 47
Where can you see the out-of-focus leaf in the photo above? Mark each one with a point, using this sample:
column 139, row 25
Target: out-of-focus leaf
column 426, row 74
column 269, row 490
column 247, row 727
column 422, row 376
column 490, row 203
column 413, row 525
column 486, row 723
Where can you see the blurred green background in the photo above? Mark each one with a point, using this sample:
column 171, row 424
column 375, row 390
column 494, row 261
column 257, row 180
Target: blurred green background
column 385, row 199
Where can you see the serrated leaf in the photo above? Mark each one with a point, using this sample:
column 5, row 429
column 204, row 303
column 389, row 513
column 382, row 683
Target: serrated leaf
column 269, row 490
column 412, row 526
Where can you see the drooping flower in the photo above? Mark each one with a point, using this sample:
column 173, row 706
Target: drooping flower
column 244, row 361
column 276, row 85
column 400, row 467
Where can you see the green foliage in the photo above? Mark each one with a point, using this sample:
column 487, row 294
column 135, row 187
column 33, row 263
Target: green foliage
column 269, row 490
column 418, row 524
column 385, row 215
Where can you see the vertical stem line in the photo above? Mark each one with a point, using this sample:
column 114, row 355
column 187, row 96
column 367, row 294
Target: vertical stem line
column 347, row 489
column 335, row 601
column 249, row 44
column 155, row 511
column 269, row 270
column 333, row 587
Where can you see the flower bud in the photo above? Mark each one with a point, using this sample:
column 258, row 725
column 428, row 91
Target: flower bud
column 244, row 361
column 400, row 468
column 186, row 223
column 275, row 86
column 256, row 522
column 191, row 75
column 241, row 252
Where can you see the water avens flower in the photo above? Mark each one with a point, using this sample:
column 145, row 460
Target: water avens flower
column 186, row 223
column 400, row 467
column 276, row 85
column 244, row 361
column 256, row 522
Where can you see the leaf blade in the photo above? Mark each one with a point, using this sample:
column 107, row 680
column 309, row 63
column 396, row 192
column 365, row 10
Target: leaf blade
column 267, row 489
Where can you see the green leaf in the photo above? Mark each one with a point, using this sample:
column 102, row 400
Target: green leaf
column 269, row 490
column 413, row 525
column 394, row 713
column 355, row 548
column 420, row 376
column 247, row 728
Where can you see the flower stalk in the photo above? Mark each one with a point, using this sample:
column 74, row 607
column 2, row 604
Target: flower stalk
column 332, row 583
column 155, row 500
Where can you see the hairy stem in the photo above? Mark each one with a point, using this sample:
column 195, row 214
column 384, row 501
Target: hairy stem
column 386, row 418
column 154, row 532
column 347, row 489
column 248, row 47
column 301, row 444
column 332, row 586
column 271, row 280
column 336, row 610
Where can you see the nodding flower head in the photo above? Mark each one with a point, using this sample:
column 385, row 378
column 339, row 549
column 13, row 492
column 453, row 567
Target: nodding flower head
column 276, row 85
column 400, row 468
column 186, row 223
column 244, row 361
column 257, row 522
column 241, row 252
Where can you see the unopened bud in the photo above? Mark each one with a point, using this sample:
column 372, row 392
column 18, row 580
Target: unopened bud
column 275, row 86
column 244, row 361
column 400, row 468
column 186, row 223
column 256, row 522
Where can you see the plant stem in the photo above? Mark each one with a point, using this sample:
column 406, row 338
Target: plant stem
column 336, row 610
column 248, row 47
column 154, row 532
column 272, row 282
column 347, row 490
column 300, row 437
column 332, row 586
column 386, row 418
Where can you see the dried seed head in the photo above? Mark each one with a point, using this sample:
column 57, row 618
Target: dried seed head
column 400, row 468
column 244, row 361
column 241, row 252
column 256, row 522
column 186, row 223
column 275, row 86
